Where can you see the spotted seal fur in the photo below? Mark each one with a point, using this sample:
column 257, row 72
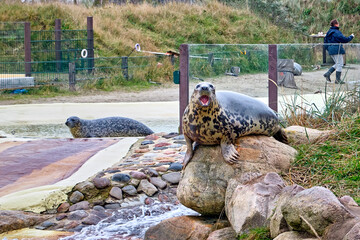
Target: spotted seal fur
column 222, row 118
column 106, row 127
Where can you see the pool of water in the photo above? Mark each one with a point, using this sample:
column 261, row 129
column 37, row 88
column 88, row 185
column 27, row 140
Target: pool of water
column 62, row 131
column 131, row 223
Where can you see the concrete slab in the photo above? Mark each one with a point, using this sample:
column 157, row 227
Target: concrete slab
column 54, row 172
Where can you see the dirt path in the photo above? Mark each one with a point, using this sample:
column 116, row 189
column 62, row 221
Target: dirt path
column 254, row 85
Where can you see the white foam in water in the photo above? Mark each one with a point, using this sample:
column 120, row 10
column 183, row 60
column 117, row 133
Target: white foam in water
column 131, row 223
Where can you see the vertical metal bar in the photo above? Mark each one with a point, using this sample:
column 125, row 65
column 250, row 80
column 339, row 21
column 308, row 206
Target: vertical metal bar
column 324, row 54
column 125, row 67
column 27, row 47
column 90, row 44
column 72, row 77
column 184, row 81
column 272, row 82
column 58, row 44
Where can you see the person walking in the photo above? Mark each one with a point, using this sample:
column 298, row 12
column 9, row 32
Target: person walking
column 336, row 51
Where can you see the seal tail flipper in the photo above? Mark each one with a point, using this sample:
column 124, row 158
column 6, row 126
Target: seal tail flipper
column 281, row 136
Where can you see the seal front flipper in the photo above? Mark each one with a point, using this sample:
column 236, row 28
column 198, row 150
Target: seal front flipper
column 189, row 151
column 229, row 152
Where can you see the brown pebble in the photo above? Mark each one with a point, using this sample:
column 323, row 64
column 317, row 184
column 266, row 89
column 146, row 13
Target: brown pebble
column 163, row 198
column 64, row 207
column 149, row 201
column 144, row 146
column 137, row 155
column 151, row 137
column 163, row 144
column 142, row 150
column 162, row 169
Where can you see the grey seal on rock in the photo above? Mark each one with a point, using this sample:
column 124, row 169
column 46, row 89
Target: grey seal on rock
column 222, row 118
column 106, row 127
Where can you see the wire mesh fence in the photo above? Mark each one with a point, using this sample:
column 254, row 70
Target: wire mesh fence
column 244, row 68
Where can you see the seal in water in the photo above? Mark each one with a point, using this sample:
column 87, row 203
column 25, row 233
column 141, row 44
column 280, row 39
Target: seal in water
column 222, row 118
column 107, row 127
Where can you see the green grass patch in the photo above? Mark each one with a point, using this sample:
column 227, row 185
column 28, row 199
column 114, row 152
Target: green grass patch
column 256, row 234
column 334, row 164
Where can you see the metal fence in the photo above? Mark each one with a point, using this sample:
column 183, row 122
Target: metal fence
column 33, row 58
column 256, row 70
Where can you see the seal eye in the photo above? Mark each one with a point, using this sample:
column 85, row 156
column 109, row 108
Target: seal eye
column 197, row 86
column 211, row 86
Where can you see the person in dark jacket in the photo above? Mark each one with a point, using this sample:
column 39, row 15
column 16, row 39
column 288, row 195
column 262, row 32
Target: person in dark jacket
column 336, row 51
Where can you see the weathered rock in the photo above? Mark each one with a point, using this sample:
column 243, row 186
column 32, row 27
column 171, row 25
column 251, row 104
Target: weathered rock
column 130, row 190
column 116, row 193
column 294, row 236
column 76, row 197
column 135, row 182
column 146, row 187
column 317, row 207
column 264, row 154
column 338, row 230
column 120, row 177
column 223, row 234
column 175, row 167
column 77, row 215
column 249, row 205
column 101, row 183
column 64, row 207
column 98, row 208
column 303, row 135
column 354, row 233
column 172, row 178
column 150, row 172
column 91, row 220
column 134, row 201
column 84, row 205
column 12, row 220
column 184, row 227
column 87, row 188
column 348, row 201
column 158, row 182
column 112, row 206
column 138, row 175
column 278, row 224
column 205, row 179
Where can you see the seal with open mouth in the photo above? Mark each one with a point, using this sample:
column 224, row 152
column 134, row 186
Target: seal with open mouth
column 222, row 118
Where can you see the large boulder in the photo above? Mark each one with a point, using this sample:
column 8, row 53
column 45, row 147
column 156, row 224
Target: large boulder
column 12, row 220
column 313, row 210
column 303, row 135
column 223, row 234
column 278, row 224
column 205, row 179
column 183, row 227
column 293, row 235
column 249, row 205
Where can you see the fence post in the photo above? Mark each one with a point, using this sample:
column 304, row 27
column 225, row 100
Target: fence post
column 125, row 67
column 90, row 44
column 58, row 44
column 272, row 81
column 27, row 48
column 184, row 81
column 72, row 77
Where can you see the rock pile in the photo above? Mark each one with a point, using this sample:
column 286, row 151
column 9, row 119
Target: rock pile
column 149, row 174
column 254, row 195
